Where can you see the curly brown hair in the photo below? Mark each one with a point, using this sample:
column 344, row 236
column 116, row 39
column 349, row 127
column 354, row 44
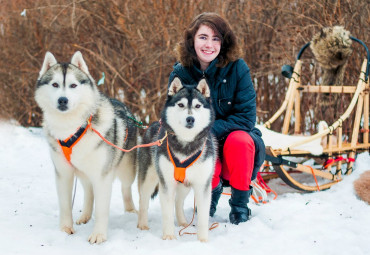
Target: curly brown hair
column 230, row 50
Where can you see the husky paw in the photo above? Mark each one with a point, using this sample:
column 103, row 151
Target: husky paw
column 183, row 224
column 83, row 219
column 132, row 211
column 203, row 240
column 168, row 237
column 142, row 227
column 68, row 230
column 97, row 238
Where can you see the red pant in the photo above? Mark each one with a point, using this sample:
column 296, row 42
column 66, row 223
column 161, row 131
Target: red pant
column 238, row 161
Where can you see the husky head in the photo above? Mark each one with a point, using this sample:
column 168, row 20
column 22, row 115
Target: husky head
column 188, row 110
column 65, row 88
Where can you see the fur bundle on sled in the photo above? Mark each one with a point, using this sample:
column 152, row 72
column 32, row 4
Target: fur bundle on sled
column 362, row 186
column 332, row 49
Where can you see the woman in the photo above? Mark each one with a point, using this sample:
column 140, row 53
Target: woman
column 209, row 49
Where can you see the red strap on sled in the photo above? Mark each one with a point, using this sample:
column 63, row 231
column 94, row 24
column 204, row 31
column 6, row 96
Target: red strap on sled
column 331, row 161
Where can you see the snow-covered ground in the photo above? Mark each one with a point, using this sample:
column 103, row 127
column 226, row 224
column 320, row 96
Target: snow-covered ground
column 328, row 222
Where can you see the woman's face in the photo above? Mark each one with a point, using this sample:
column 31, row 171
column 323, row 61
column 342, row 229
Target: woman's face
column 207, row 45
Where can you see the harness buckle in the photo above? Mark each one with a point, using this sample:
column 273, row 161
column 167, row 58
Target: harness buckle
column 161, row 140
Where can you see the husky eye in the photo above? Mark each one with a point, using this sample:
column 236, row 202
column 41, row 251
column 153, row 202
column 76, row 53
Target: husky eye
column 181, row 105
column 197, row 106
column 55, row 85
column 73, row 86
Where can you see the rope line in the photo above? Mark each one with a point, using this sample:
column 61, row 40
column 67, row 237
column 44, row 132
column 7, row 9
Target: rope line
column 213, row 226
column 314, row 176
column 158, row 142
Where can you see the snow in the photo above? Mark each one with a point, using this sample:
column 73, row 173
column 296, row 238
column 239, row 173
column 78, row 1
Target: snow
column 328, row 222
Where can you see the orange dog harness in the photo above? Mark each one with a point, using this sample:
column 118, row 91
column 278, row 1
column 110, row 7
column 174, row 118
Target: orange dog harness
column 71, row 141
column 181, row 166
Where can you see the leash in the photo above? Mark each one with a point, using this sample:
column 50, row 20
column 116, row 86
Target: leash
column 213, row 226
column 70, row 142
column 74, row 192
column 159, row 142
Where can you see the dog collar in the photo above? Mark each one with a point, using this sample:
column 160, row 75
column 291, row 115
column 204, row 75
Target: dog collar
column 181, row 166
column 71, row 141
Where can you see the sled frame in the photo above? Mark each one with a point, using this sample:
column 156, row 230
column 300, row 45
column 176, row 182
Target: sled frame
column 359, row 105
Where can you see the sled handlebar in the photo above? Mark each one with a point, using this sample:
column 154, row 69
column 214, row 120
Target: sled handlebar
column 368, row 55
column 302, row 50
column 353, row 39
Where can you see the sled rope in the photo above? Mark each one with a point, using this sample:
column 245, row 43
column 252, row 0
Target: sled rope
column 259, row 195
column 213, row 226
column 314, row 176
column 74, row 192
column 260, row 190
column 263, row 189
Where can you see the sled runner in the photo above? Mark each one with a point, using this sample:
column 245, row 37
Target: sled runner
column 286, row 160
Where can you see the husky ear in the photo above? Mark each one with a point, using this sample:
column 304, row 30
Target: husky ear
column 49, row 61
column 203, row 88
column 175, row 86
column 78, row 61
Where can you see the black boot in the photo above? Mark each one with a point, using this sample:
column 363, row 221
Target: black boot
column 216, row 194
column 238, row 203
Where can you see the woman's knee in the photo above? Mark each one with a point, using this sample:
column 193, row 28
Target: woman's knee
column 239, row 140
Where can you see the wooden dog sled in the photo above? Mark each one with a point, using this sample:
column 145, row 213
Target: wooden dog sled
column 284, row 161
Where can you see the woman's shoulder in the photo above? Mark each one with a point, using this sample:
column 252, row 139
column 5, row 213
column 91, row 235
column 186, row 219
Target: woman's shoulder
column 241, row 65
column 177, row 67
column 238, row 67
column 182, row 72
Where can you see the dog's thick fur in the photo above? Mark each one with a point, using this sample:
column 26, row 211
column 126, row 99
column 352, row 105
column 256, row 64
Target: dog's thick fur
column 68, row 96
column 332, row 49
column 362, row 186
column 187, row 117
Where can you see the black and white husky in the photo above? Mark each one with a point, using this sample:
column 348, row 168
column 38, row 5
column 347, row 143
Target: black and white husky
column 185, row 160
column 71, row 104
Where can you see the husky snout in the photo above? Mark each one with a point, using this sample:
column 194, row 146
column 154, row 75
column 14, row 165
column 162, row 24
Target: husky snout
column 62, row 103
column 190, row 122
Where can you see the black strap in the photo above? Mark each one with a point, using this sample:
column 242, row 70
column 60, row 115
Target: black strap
column 280, row 161
column 74, row 138
column 187, row 162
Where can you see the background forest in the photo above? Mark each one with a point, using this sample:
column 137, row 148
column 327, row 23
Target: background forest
column 132, row 42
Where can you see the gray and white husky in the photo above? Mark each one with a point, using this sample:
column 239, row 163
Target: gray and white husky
column 189, row 148
column 71, row 103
